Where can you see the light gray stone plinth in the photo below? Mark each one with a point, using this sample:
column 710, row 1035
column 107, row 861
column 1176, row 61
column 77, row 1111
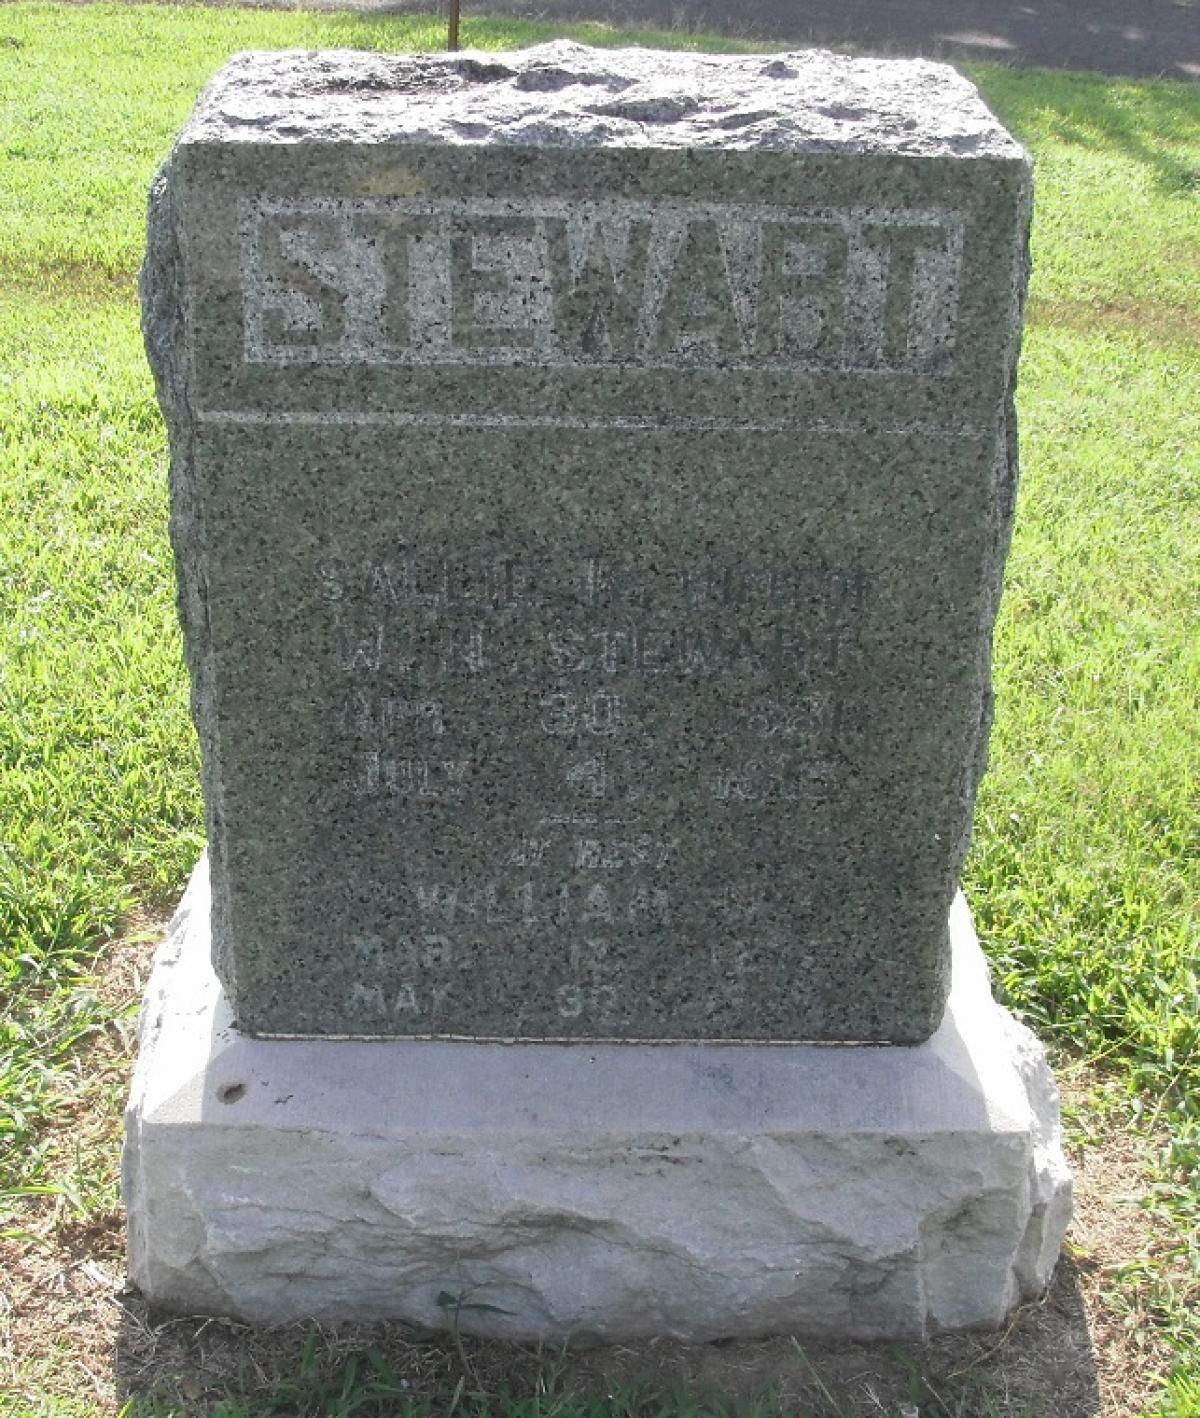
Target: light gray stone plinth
column 596, row 1191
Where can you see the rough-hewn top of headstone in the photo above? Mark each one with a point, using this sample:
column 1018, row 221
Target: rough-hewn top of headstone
column 565, row 94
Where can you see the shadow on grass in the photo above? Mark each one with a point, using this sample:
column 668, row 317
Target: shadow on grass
column 1147, row 38
column 1041, row 1366
column 1148, row 123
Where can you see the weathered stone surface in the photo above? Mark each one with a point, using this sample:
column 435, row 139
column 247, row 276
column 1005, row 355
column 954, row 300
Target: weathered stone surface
column 592, row 475
column 594, row 1191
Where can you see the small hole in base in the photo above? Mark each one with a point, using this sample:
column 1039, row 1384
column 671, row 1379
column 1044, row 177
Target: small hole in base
column 231, row 1092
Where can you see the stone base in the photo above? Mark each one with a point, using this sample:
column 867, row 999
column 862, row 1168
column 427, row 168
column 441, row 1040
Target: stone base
column 600, row 1192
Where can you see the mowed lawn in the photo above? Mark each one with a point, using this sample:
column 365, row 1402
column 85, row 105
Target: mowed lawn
column 1083, row 874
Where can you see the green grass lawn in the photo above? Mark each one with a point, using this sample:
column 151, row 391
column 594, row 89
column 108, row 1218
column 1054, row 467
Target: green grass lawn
column 1083, row 874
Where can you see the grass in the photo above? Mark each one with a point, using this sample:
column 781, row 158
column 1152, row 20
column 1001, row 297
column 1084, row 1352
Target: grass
column 1083, row 873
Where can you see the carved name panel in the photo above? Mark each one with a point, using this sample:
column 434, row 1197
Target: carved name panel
column 672, row 285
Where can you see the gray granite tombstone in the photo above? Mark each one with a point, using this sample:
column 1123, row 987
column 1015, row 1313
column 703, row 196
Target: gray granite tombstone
column 591, row 478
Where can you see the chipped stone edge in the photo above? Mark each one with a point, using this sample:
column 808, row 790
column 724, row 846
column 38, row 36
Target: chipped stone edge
column 166, row 318
column 254, row 69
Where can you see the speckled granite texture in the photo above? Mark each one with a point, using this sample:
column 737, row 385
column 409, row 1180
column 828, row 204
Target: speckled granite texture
column 591, row 477
column 601, row 1192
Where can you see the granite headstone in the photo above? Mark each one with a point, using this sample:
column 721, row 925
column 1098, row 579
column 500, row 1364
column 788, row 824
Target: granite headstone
column 591, row 478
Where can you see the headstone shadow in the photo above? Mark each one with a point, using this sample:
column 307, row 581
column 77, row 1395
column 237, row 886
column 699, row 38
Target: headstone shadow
column 1044, row 1364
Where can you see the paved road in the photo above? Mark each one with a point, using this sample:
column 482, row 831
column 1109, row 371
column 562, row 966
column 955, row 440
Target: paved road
column 1144, row 38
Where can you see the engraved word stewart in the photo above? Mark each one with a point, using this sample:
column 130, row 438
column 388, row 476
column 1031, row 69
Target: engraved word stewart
column 553, row 282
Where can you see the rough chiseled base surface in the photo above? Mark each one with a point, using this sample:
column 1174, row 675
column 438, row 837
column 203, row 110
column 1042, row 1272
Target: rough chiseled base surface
column 598, row 1191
